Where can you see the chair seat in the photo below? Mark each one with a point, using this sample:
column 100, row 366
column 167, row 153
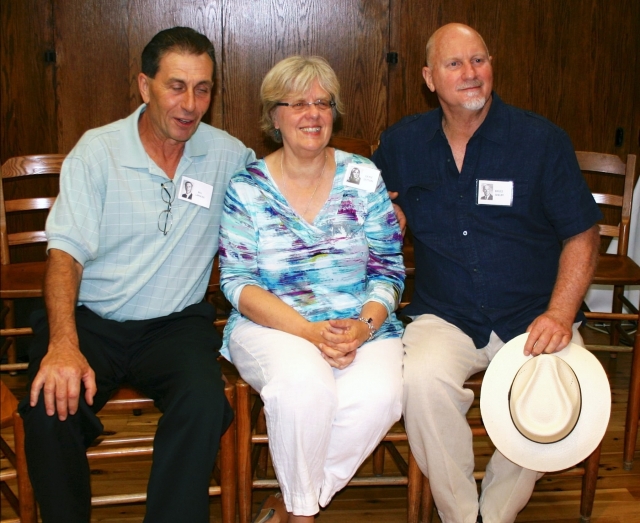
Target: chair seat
column 22, row 280
column 616, row 270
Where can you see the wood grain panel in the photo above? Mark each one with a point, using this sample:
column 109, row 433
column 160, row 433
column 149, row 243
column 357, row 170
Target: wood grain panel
column 351, row 34
column 147, row 17
column 28, row 110
column 93, row 70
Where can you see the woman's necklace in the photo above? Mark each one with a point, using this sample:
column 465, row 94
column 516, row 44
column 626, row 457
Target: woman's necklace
column 284, row 180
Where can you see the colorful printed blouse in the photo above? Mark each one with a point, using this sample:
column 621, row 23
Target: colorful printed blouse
column 349, row 255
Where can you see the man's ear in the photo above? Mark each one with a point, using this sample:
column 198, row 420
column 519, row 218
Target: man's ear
column 428, row 78
column 143, row 87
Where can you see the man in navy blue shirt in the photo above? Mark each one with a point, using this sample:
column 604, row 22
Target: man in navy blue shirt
column 487, row 269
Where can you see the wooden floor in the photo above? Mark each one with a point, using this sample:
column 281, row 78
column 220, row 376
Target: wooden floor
column 554, row 499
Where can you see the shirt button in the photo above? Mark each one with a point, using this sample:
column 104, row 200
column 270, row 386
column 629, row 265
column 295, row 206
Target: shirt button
column 464, row 233
column 461, row 196
column 475, row 270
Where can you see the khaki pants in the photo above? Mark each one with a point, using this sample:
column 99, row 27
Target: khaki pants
column 439, row 357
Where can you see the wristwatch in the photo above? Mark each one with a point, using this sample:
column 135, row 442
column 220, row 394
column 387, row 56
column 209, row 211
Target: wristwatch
column 372, row 329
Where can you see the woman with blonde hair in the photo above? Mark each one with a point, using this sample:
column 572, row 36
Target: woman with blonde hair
column 313, row 267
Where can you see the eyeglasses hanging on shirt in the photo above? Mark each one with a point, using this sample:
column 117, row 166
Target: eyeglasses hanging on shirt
column 168, row 194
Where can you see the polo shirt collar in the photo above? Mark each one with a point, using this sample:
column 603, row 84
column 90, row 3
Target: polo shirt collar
column 133, row 153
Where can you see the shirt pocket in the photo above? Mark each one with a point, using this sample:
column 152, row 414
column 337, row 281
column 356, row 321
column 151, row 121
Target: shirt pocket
column 521, row 205
column 427, row 210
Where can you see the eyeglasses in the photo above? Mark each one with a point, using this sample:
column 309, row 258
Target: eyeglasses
column 322, row 105
column 168, row 194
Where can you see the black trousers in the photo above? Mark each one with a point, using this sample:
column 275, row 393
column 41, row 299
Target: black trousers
column 173, row 360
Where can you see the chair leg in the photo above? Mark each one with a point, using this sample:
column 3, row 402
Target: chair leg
column 633, row 407
column 589, row 484
column 243, row 437
column 228, row 478
column 378, row 460
column 26, row 497
column 427, row 501
column 616, row 307
column 10, row 321
column 414, row 489
column 260, row 455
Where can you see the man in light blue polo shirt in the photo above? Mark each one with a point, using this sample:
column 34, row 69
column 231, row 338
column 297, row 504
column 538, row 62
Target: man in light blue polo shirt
column 129, row 260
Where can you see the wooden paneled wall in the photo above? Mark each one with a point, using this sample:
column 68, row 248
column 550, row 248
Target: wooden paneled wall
column 575, row 62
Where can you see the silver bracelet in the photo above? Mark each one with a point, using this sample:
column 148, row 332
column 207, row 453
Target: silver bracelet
column 372, row 329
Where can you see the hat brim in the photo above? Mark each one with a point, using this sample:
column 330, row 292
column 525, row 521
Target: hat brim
column 545, row 457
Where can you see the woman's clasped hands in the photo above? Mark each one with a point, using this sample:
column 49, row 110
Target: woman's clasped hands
column 340, row 339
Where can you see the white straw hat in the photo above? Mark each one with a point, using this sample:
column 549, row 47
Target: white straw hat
column 548, row 412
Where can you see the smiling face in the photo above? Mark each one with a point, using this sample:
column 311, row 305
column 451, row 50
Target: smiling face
column 459, row 68
column 178, row 96
column 308, row 131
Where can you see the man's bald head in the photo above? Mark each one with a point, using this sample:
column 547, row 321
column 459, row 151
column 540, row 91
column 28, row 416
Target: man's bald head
column 445, row 31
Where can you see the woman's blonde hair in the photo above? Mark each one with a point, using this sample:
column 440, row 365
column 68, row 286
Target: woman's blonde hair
column 294, row 76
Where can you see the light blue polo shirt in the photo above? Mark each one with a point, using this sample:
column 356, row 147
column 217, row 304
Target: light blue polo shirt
column 106, row 217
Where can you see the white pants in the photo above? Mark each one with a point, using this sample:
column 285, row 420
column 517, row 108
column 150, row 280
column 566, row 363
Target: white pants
column 439, row 357
column 322, row 422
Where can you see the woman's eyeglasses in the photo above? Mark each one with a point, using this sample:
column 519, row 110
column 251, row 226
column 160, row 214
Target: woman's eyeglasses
column 322, row 105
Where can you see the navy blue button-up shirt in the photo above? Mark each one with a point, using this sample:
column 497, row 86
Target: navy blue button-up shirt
column 486, row 268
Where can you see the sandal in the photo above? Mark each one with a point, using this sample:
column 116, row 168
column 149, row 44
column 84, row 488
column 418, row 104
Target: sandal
column 272, row 510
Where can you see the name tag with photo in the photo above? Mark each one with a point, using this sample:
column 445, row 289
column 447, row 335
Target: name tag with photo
column 494, row 192
column 195, row 191
column 361, row 177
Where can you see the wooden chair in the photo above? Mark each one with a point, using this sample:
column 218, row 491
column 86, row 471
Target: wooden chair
column 18, row 202
column 117, row 447
column 8, row 406
column 588, row 469
column 617, row 270
column 352, row 145
column 252, row 448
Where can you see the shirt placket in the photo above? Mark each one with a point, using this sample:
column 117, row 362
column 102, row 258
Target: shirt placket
column 465, row 210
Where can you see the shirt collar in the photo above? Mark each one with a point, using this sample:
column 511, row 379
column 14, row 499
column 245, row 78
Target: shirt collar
column 496, row 125
column 133, row 153
column 433, row 126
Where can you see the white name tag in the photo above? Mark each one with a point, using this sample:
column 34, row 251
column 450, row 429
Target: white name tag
column 195, row 191
column 361, row 177
column 493, row 192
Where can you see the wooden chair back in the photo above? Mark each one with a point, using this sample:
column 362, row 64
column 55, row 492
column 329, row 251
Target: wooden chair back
column 26, row 190
column 352, row 145
column 21, row 202
column 612, row 165
column 618, row 270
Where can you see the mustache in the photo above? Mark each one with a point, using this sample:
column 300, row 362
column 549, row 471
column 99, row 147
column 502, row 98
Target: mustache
column 467, row 85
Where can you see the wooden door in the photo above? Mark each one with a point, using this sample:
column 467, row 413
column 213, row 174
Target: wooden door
column 27, row 93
